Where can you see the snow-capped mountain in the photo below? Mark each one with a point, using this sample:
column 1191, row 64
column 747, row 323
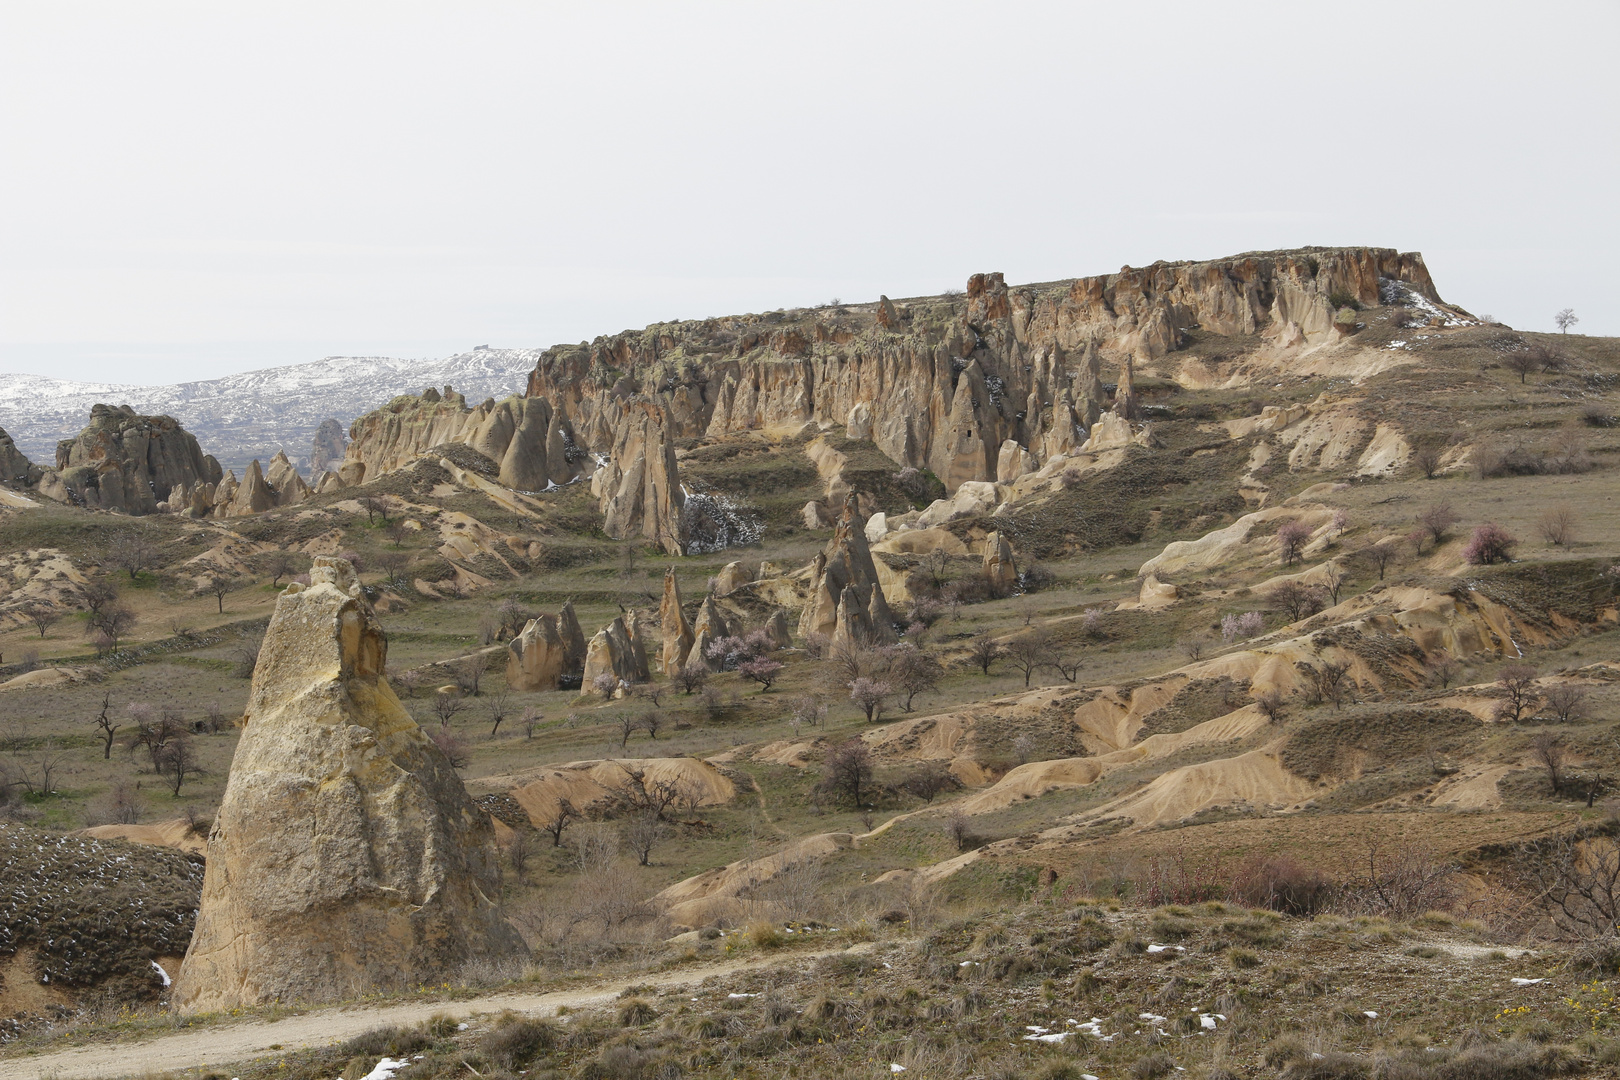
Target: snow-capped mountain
column 254, row 414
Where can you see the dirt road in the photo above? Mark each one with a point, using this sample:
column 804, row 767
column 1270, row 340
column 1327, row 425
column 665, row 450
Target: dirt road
column 235, row 1042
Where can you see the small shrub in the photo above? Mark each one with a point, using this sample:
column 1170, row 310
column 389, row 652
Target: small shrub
column 764, row 935
column 1153, row 1067
column 636, row 1013
column 1489, row 544
column 1243, row 959
column 517, row 1040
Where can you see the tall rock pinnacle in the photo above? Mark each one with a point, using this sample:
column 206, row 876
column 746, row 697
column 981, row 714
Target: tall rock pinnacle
column 347, row 856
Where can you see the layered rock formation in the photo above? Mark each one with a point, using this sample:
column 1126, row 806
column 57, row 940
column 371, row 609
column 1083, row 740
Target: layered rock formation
column 640, row 486
column 15, row 468
column 346, row 856
column 711, row 625
column 677, row 632
column 549, row 648
column 123, row 461
column 617, row 650
column 945, row 383
column 327, row 448
column 531, row 441
column 846, row 599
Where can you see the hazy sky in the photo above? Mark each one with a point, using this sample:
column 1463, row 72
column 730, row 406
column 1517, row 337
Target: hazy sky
column 192, row 189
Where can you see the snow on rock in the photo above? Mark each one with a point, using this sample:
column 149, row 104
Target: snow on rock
column 164, row 975
column 385, row 1070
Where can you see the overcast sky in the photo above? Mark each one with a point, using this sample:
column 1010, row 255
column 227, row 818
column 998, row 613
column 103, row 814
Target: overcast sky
column 188, row 190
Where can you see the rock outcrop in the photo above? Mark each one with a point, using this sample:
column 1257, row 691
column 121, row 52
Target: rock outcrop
column 546, row 650
column 1000, row 569
column 944, row 384
column 531, row 441
column 640, row 487
column 124, row 461
column 617, row 650
column 15, row 468
column 677, row 632
column 284, row 481
column 711, row 625
column 327, row 448
column 346, row 857
column 845, row 594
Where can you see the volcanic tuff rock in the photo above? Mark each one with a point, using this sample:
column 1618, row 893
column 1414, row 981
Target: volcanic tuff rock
column 549, row 647
column 123, row 461
column 711, row 625
column 533, row 444
column 15, row 468
column 672, row 622
column 346, row 856
column 617, row 650
column 947, row 382
column 846, row 563
column 326, row 450
column 640, row 487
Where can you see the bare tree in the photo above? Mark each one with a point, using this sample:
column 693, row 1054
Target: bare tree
column 217, row 585
column 131, row 551
column 42, row 615
column 107, row 727
column 1332, row 580
column 629, row 724
column 1067, row 664
column 1522, row 362
column 1426, row 460
column 446, row 707
column 1292, row 536
column 1406, row 881
column 564, row 816
column 468, row 671
column 1331, row 681
column 652, row 722
column 1192, row 646
column 277, row 564
column 498, row 706
column 1029, row 652
column 1567, row 702
column 452, row 746
column 1518, row 685
column 690, row 677
column 1444, row 669
column 393, row 564
column 959, row 830
column 1552, row 755
column 375, row 506
column 1297, row 600
column 983, row 651
column 178, row 760
column 111, row 624
column 1437, row 521
column 1380, row 554
column 98, row 595
column 1566, row 319
column 1557, row 524
column 1578, row 880
column 848, row 770
column 643, row 831
column 929, row 779
column 518, row 852
column 913, row 671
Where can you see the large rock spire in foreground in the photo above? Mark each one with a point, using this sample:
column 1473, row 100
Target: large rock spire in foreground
column 347, row 856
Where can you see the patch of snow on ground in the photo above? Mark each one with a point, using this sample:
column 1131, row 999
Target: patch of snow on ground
column 385, row 1070
column 164, row 975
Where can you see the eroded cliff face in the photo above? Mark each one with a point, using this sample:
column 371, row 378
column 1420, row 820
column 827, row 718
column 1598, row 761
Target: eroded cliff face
column 346, row 857
column 533, row 443
column 15, row 468
column 944, row 383
column 124, row 461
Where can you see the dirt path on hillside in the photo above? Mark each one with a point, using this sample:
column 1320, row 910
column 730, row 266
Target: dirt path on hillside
column 236, row 1042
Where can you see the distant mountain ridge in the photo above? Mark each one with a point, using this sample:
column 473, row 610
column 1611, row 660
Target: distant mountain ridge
column 255, row 413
